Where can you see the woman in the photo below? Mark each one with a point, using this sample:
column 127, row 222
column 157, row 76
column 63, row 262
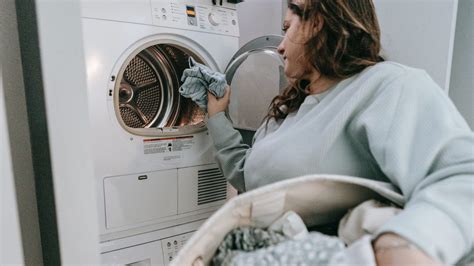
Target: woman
column 348, row 112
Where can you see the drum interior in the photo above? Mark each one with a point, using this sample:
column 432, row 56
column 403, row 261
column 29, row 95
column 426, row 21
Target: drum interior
column 148, row 95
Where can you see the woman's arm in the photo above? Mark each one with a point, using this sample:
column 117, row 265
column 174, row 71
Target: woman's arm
column 424, row 146
column 231, row 150
column 392, row 249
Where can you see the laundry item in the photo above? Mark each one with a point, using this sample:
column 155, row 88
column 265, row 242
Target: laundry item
column 365, row 219
column 198, row 80
column 314, row 249
column 287, row 242
column 243, row 240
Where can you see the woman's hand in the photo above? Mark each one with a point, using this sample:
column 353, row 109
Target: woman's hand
column 215, row 105
column 392, row 249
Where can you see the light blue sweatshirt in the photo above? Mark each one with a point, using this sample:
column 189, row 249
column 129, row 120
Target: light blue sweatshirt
column 390, row 123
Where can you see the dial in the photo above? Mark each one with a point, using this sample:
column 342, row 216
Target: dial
column 212, row 19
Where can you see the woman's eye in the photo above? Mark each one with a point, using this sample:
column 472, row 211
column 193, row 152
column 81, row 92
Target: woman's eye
column 284, row 28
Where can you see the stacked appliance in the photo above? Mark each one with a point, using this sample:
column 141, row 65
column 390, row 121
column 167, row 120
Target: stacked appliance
column 157, row 180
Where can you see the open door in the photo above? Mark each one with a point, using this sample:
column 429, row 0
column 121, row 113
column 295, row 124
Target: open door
column 256, row 75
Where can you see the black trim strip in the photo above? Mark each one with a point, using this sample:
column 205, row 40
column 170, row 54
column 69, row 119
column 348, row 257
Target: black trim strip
column 213, row 170
column 217, row 185
column 37, row 120
column 211, row 201
column 211, row 192
column 204, row 175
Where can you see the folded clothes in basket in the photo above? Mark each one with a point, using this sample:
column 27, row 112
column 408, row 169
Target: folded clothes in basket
column 246, row 239
column 288, row 242
column 314, row 249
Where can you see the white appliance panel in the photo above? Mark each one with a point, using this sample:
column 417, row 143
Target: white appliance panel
column 135, row 214
column 172, row 245
column 192, row 189
column 108, row 44
column 160, row 252
column 137, row 198
column 135, row 11
column 142, row 255
column 110, row 138
column 195, row 17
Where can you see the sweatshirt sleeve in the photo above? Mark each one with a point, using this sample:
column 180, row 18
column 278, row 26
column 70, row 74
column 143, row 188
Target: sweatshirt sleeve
column 231, row 150
column 425, row 147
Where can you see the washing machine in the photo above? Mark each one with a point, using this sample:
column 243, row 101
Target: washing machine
column 156, row 176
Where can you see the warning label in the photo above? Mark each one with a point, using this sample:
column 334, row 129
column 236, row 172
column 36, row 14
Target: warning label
column 167, row 145
column 181, row 145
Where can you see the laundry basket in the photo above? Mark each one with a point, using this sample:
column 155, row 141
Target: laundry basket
column 318, row 199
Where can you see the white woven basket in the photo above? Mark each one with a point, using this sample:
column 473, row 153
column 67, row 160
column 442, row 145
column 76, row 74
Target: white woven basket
column 318, row 199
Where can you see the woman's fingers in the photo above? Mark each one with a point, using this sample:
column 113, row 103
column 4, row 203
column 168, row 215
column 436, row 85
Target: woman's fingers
column 227, row 93
column 215, row 105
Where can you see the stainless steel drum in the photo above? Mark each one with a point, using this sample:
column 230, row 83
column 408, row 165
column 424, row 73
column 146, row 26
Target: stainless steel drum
column 189, row 114
column 148, row 95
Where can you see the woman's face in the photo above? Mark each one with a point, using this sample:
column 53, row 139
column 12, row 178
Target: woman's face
column 292, row 47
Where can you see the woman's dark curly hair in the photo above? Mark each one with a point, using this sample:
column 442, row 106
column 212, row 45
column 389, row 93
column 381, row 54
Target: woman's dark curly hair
column 347, row 43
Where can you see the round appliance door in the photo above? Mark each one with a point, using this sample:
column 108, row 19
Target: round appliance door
column 256, row 75
column 146, row 90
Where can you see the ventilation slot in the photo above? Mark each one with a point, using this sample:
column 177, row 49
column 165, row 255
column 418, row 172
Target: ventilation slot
column 212, row 186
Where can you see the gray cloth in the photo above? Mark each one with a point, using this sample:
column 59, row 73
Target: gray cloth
column 365, row 219
column 313, row 249
column 198, row 79
column 245, row 239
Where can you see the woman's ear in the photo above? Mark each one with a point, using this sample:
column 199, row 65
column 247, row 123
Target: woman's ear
column 318, row 24
column 313, row 27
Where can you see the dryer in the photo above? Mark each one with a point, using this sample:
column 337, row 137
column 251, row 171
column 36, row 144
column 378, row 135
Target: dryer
column 157, row 180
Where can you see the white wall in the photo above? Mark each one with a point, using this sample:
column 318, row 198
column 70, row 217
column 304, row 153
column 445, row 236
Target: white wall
column 419, row 33
column 258, row 18
column 462, row 77
column 20, row 239
column 11, row 250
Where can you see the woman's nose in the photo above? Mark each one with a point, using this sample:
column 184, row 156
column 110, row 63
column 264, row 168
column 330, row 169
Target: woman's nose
column 281, row 48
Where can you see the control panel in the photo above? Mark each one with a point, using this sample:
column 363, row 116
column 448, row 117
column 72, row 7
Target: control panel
column 172, row 245
column 195, row 15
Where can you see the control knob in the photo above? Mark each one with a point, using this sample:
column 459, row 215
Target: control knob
column 212, row 19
